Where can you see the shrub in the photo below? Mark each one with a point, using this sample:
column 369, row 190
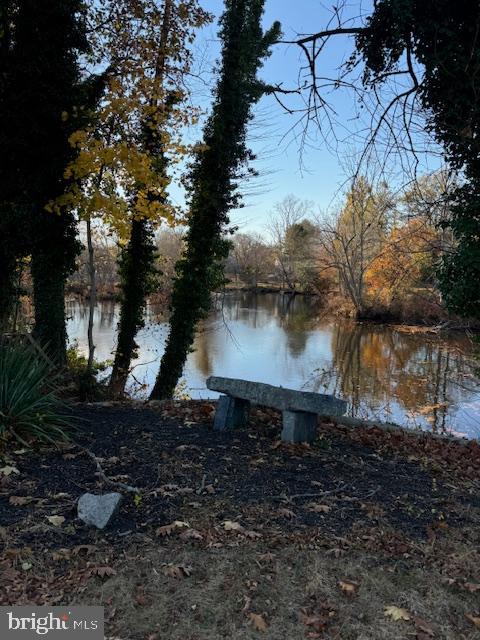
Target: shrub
column 30, row 407
column 86, row 385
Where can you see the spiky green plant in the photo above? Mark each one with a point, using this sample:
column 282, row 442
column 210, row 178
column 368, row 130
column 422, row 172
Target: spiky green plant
column 30, row 408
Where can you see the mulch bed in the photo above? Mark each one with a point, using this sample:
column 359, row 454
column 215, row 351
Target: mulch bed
column 348, row 482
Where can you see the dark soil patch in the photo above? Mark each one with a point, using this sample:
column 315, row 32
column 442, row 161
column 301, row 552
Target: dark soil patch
column 183, row 469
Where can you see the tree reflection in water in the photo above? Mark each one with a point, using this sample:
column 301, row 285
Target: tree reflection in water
column 412, row 378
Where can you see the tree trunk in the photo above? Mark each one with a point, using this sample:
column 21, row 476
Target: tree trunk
column 50, row 331
column 53, row 254
column 138, row 258
column 213, row 178
column 136, row 264
column 93, row 295
column 7, row 289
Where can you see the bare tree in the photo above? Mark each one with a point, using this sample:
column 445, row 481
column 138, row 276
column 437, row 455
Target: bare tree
column 252, row 258
column 286, row 216
column 354, row 237
column 170, row 243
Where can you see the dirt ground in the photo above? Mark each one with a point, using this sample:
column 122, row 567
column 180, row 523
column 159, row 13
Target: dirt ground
column 366, row 534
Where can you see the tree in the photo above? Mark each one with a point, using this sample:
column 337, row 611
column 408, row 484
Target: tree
column 421, row 68
column 443, row 38
column 127, row 156
column 252, row 258
column 137, row 258
column 299, row 254
column 213, row 180
column 43, row 100
column 12, row 246
column 354, row 239
column 286, row 228
column 170, row 246
column 406, row 261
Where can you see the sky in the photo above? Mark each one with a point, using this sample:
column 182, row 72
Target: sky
column 318, row 169
column 317, row 173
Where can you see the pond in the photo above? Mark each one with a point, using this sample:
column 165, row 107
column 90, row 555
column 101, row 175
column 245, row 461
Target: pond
column 413, row 378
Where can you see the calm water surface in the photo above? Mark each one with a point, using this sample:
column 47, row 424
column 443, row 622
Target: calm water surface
column 413, row 379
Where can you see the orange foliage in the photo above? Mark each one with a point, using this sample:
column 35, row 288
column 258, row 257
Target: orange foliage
column 403, row 264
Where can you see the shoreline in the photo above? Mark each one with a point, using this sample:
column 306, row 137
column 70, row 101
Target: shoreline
column 339, row 421
column 329, row 307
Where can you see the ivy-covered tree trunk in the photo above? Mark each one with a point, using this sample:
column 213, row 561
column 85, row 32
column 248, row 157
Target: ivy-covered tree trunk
column 7, row 248
column 54, row 249
column 7, row 288
column 43, row 100
column 49, row 302
column 137, row 276
column 213, row 180
column 137, row 259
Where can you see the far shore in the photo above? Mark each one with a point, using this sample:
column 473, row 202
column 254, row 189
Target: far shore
column 332, row 306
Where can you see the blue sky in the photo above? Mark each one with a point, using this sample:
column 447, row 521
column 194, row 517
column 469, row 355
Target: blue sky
column 318, row 174
column 318, row 170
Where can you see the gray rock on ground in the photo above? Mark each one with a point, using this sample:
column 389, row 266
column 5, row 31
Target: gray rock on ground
column 98, row 510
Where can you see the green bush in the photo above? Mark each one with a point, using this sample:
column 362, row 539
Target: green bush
column 86, row 385
column 30, row 407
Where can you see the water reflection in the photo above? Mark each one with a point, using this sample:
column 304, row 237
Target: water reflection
column 388, row 373
column 414, row 379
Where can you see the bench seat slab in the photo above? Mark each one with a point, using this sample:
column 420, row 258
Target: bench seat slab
column 231, row 413
column 278, row 397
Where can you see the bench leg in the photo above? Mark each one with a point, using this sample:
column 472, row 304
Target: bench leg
column 231, row 413
column 299, row 426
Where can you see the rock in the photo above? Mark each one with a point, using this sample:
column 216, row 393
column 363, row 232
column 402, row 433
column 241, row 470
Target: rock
column 98, row 511
column 278, row 397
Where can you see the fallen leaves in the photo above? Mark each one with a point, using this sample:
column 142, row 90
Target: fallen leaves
column 230, row 525
column 191, row 534
column 318, row 619
column 423, row 628
column 102, row 572
column 266, row 557
column 474, row 619
column 57, row 521
column 8, row 470
column 173, row 527
column 348, row 587
column 61, row 496
column 20, row 501
column 397, row 613
column 83, row 549
column 319, row 508
column 257, row 621
column 61, row 554
column 286, row 513
column 142, row 599
column 176, row 571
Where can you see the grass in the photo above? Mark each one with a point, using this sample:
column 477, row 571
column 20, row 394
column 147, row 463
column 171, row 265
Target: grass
column 296, row 592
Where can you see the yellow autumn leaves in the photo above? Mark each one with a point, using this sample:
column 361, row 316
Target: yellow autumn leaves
column 116, row 176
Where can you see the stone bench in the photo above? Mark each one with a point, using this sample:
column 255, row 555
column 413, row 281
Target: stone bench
column 300, row 408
